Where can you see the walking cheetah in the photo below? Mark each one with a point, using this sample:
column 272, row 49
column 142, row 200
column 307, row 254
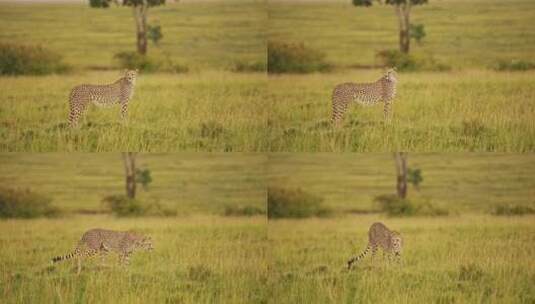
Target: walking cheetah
column 366, row 94
column 102, row 241
column 119, row 92
column 380, row 236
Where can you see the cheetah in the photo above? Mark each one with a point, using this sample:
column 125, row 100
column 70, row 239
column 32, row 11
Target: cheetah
column 366, row 94
column 103, row 241
column 380, row 236
column 119, row 92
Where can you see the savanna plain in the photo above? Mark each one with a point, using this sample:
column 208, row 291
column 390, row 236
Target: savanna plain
column 471, row 255
column 200, row 254
column 470, row 107
column 207, row 105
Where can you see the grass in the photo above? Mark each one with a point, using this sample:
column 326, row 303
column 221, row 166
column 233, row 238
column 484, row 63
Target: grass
column 466, row 259
column 200, row 256
column 167, row 113
column 197, row 259
column 191, row 183
column 471, row 110
column 463, row 34
column 470, row 256
column 209, row 108
column 202, row 36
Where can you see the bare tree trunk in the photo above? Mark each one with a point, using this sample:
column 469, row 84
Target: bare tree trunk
column 403, row 11
column 401, row 170
column 130, row 173
column 140, row 15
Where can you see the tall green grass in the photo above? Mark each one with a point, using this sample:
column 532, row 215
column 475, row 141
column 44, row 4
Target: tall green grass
column 471, row 110
column 209, row 111
column 467, row 259
column 195, row 260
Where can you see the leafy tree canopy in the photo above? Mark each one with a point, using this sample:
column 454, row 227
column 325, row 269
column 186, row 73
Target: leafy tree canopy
column 106, row 3
column 391, row 2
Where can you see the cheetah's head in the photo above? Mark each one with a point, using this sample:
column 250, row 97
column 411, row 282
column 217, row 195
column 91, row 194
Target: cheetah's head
column 131, row 75
column 397, row 243
column 144, row 243
column 391, row 75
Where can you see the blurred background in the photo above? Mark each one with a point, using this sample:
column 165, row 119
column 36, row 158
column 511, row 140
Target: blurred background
column 158, row 184
column 430, row 184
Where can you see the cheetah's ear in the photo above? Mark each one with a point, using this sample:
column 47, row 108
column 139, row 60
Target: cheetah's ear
column 137, row 71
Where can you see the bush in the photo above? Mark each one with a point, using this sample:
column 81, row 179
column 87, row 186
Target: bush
column 147, row 64
column 121, row 205
column 258, row 66
column 23, row 203
column 512, row 210
column 294, row 203
column 417, row 32
column 295, row 58
column 514, row 65
column 243, row 211
column 408, row 62
column 29, row 60
column 395, row 206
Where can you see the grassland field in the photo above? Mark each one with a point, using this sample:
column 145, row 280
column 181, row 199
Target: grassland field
column 459, row 182
column 198, row 259
column 465, row 259
column 210, row 108
column 469, row 256
column 470, row 108
column 191, row 183
column 200, row 256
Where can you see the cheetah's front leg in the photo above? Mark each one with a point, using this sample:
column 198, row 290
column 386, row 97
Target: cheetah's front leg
column 124, row 110
column 388, row 111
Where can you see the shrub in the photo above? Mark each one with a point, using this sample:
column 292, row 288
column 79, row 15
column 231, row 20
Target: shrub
column 243, row 211
column 395, row 206
column 514, row 65
column 154, row 33
column 23, row 203
column 408, row 62
column 417, row 32
column 295, row 58
column 29, row 60
column 258, row 66
column 145, row 63
column 512, row 210
column 294, row 203
column 144, row 178
column 121, row 205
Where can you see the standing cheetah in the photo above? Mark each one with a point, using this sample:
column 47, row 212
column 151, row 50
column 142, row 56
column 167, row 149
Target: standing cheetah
column 366, row 94
column 102, row 241
column 119, row 92
column 380, row 236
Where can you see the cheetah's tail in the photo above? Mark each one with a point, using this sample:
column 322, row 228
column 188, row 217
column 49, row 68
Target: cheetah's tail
column 68, row 256
column 358, row 257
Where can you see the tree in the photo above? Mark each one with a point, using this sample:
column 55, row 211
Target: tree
column 129, row 159
column 403, row 11
column 401, row 171
column 140, row 9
